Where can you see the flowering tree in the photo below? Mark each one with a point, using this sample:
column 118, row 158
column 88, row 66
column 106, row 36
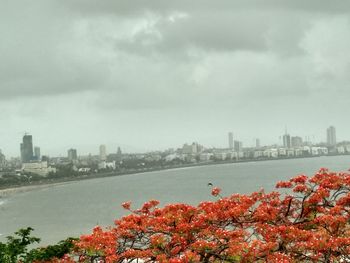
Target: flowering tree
column 307, row 222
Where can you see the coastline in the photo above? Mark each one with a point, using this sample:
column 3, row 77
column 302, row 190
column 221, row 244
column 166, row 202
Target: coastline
column 26, row 188
column 15, row 189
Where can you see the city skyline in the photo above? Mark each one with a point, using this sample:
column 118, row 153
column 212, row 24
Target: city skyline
column 149, row 75
column 30, row 152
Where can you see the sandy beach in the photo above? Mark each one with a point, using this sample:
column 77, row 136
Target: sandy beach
column 15, row 190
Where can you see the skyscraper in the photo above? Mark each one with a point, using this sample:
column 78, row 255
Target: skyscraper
column 257, row 143
column 238, row 146
column 331, row 136
column 37, row 154
column 2, row 159
column 230, row 140
column 103, row 152
column 72, row 154
column 286, row 141
column 27, row 148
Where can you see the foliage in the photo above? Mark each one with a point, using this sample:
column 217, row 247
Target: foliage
column 16, row 249
column 17, row 246
column 63, row 171
column 52, row 252
column 309, row 222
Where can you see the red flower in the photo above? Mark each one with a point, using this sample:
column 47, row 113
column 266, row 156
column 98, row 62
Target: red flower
column 126, row 205
column 215, row 191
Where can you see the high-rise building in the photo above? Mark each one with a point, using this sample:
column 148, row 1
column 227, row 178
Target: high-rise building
column 331, row 136
column 238, row 146
column 37, row 154
column 296, row 141
column 230, row 140
column 286, row 141
column 103, row 152
column 2, row 159
column 257, row 143
column 72, row 154
column 119, row 155
column 119, row 151
column 27, row 149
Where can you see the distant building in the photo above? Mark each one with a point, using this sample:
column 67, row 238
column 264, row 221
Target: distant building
column 230, row 140
column 40, row 168
column 205, row 157
column 2, row 159
column 286, row 141
column 103, row 152
column 119, row 151
column 37, row 154
column 238, row 146
column 106, row 165
column 72, row 154
column 257, row 143
column 331, row 136
column 45, row 158
column 27, row 149
column 193, row 148
column 296, row 141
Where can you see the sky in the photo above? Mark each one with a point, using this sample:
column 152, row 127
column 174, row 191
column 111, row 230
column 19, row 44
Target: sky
column 153, row 74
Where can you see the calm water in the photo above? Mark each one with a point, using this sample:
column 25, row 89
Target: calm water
column 75, row 208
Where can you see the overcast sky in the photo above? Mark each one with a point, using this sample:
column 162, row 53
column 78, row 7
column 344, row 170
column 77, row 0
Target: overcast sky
column 149, row 75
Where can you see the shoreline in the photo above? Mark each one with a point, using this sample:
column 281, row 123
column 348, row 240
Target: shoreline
column 15, row 189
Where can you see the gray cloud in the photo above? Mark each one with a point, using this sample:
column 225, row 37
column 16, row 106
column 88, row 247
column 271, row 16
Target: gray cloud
column 126, row 8
column 177, row 70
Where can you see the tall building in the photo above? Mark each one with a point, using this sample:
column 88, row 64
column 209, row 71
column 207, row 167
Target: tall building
column 27, row 149
column 331, row 136
column 296, row 141
column 119, row 154
column 103, row 152
column 2, row 159
column 238, row 146
column 286, row 141
column 37, row 154
column 257, row 143
column 72, row 154
column 230, row 140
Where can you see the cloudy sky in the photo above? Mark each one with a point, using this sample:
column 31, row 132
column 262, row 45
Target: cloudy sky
column 150, row 75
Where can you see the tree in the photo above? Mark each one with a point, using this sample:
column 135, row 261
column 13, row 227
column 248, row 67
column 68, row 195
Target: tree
column 307, row 222
column 16, row 248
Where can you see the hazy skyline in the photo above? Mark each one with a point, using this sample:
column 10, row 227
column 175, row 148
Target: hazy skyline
column 147, row 75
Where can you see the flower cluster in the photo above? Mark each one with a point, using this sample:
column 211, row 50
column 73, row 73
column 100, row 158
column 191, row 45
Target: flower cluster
column 308, row 222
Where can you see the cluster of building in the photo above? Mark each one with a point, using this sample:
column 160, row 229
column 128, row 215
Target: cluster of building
column 292, row 147
column 83, row 163
column 31, row 160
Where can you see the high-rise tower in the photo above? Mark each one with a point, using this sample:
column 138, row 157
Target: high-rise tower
column 286, row 141
column 103, row 152
column 27, row 149
column 331, row 136
column 230, row 140
column 72, row 155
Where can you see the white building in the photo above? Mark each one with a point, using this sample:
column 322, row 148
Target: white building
column 220, row 156
column 282, row 152
column 205, row 157
column 290, row 152
column 40, row 168
column 103, row 152
column 341, row 149
column 106, row 165
column 271, row 153
column 258, row 154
